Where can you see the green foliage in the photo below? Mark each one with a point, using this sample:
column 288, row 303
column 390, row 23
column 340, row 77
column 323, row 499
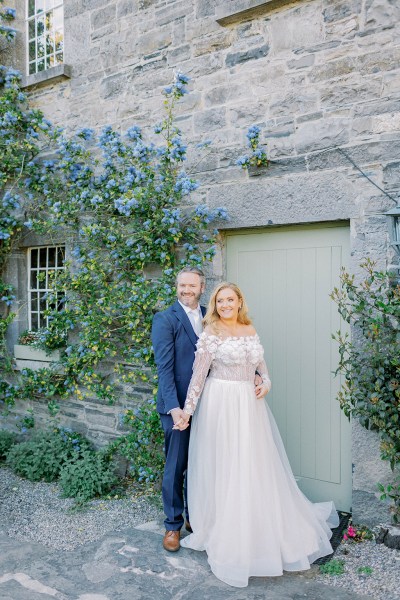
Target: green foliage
column 7, row 15
column 143, row 446
column 364, row 570
column 42, row 457
column 7, row 441
column 392, row 492
column 371, row 364
column 87, row 475
column 333, row 567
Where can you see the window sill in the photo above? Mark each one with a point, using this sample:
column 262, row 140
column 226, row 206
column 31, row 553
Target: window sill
column 29, row 357
column 48, row 77
column 231, row 11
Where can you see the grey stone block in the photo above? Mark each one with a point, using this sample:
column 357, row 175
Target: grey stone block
column 178, row 55
column 305, row 61
column 315, row 135
column 103, row 16
column 241, row 57
column 334, row 69
column 336, row 11
column 112, row 86
column 207, row 120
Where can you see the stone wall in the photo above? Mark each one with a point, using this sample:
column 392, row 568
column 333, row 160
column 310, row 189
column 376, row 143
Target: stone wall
column 315, row 74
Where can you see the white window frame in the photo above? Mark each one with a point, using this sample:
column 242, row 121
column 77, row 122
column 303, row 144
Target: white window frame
column 35, row 293
column 38, row 20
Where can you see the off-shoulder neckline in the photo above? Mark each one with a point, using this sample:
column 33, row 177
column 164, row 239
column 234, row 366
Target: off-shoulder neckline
column 230, row 337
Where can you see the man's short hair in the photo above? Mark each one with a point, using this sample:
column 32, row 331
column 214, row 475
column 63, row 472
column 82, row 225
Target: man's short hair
column 196, row 270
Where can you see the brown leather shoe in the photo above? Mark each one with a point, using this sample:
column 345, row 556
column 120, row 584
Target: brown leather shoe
column 188, row 527
column 171, row 541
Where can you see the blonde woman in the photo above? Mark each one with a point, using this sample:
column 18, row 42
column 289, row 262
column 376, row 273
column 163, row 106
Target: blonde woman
column 246, row 510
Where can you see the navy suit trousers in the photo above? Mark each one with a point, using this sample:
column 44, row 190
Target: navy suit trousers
column 174, row 480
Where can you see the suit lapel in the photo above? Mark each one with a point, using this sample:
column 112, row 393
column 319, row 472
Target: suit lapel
column 184, row 319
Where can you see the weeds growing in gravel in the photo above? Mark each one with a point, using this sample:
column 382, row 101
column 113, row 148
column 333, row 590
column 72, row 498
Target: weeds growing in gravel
column 333, row 567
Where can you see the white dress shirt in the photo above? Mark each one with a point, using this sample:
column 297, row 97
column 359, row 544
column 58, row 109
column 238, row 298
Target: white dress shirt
column 195, row 317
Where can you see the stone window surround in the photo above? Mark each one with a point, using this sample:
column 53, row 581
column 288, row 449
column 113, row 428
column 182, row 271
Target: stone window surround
column 40, row 268
column 48, row 77
column 231, row 11
column 52, row 10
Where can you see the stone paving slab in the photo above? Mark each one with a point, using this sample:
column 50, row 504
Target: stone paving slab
column 132, row 565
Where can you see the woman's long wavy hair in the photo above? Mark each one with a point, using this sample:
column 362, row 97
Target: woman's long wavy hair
column 212, row 318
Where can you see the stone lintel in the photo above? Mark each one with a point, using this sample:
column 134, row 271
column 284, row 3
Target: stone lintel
column 49, row 76
column 231, row 11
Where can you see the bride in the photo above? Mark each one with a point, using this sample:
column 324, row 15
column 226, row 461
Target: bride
column 246, row 510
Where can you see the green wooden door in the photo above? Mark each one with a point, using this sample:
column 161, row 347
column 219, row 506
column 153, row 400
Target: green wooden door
column 287, row 275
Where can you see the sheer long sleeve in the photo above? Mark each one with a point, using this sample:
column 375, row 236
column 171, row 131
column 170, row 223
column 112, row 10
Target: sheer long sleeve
column 203, row 358
column 263, row 371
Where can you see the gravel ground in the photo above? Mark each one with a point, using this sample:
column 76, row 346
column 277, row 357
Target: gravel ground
column 384, row 581
column 34, row 511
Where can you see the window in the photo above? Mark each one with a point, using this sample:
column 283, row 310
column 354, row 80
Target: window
column 43, row 265
column 45, row 34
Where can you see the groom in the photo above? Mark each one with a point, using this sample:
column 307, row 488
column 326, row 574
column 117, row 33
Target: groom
column 174, row 336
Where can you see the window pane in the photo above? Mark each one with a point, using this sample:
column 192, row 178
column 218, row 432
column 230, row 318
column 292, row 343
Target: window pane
column 59, row 57
column 32, row 68
column 49, row 44
column 34, row 282
column 34, row 305
column 39, row 6
column 58, row 19
column 43, row 258
column 40, row 27
column 40, row 46
column 35, row 322
column 52, row 257
column 60, row 256
column 34, row 257
column 49, row 21
column 31, row 8
column 49, row 4
column 59, row 42
column 42, row 303
column 32, row 50
column 42, row 280
column 32, row 29
column 48, row 62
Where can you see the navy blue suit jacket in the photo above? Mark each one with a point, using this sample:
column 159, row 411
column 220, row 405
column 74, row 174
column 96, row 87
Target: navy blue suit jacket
column 174, row 343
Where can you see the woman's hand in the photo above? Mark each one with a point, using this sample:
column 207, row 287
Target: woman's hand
column 262, row 390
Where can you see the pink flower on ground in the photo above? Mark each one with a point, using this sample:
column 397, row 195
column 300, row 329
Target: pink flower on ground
column 351, row 532
column 345, row 537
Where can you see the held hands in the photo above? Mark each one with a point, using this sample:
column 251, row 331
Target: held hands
column 180, row 419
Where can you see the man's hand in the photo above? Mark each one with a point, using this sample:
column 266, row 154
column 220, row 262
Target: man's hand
column 176, row 414
column 257, row 380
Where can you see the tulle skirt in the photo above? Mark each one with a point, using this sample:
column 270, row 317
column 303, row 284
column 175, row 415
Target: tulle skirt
column 246, row 510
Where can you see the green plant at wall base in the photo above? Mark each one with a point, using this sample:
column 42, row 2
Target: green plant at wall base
column 87, row 475
column 143, row 446
column 7, row 441
column 332, row 567
column 42, row 457
column 371, row 365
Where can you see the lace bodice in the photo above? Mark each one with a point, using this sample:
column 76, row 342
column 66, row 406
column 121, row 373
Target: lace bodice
column 231, row 358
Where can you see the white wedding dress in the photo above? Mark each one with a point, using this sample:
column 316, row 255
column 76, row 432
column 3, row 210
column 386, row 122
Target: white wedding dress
column 245, row 508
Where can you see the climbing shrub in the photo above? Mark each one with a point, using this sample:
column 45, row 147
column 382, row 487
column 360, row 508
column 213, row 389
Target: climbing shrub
column 371, row 363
